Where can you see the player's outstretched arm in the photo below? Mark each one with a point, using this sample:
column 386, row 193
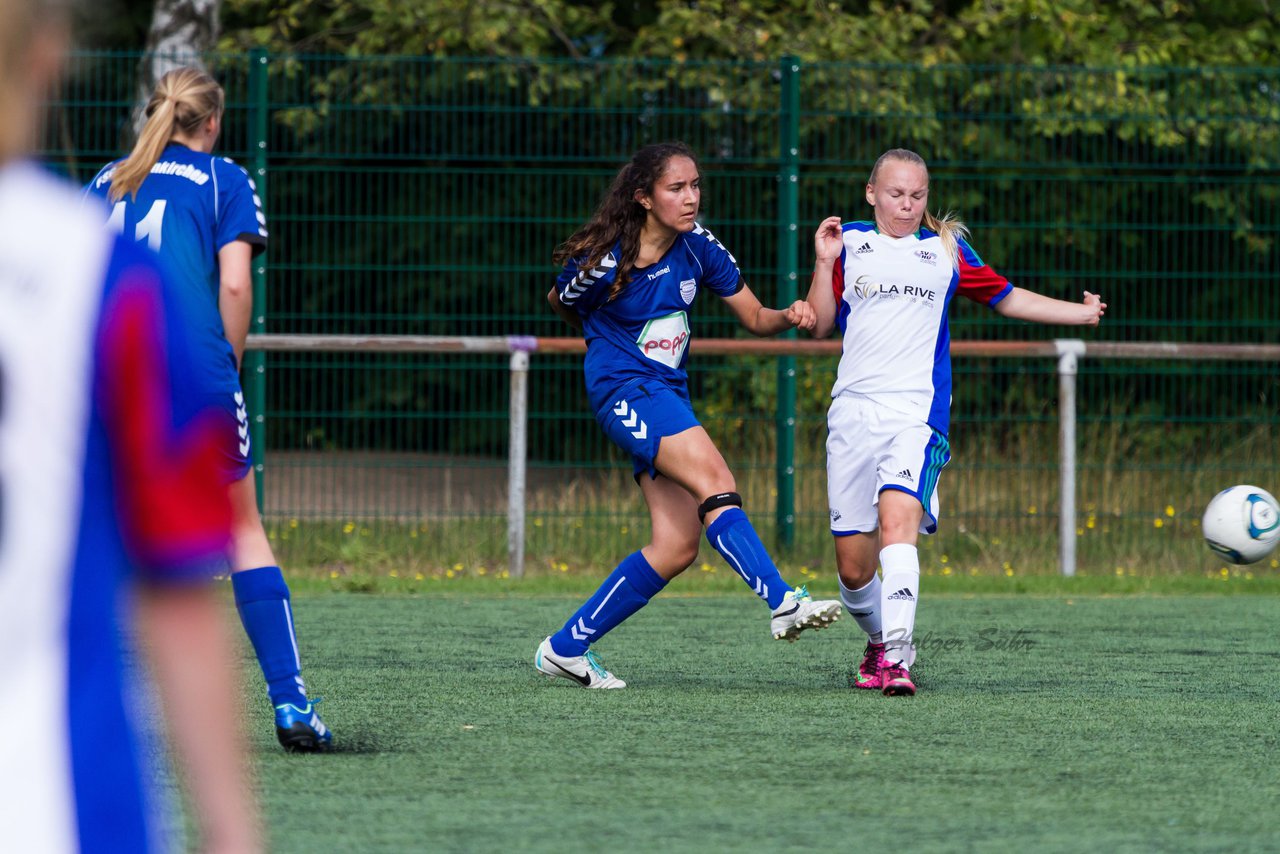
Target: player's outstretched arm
column 563, row 311
column 1022, row 304
column 828, row 242
column 761, row 321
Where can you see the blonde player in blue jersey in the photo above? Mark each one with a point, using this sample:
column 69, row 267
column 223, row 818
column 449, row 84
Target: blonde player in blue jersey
column 202, row 214
column 631, row 276
column 112, row 519
column 886, row 286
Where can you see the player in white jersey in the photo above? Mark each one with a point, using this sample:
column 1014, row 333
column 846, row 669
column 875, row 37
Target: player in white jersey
column 112, row 520
column 202, row 214
column 886, row 286
column 630, row 276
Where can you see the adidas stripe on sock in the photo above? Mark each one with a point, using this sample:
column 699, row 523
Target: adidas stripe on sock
column 899, row 592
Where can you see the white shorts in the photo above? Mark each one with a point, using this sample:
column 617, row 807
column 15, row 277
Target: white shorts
column 871, row 448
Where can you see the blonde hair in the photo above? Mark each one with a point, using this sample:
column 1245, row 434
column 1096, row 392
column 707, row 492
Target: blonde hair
column 947, row 226
column 185, row 98
column 32, row 43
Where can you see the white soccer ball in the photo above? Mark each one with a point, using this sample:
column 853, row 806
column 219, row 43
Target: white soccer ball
column 1242, row 524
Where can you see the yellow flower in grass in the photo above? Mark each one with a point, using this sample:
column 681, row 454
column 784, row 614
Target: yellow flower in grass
column 349, row 527
column 1159, row 523
column 293, row 523
column 1168, row 510
column 394, row 574
column 419, row 577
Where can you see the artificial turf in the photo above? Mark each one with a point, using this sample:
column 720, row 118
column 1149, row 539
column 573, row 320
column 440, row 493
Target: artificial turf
column 1044, row 722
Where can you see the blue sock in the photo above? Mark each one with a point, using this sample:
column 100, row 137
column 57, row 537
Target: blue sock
column 733, row 536
column 262, row 598
column 627, row 589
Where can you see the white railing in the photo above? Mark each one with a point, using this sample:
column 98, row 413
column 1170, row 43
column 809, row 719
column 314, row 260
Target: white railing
column 1066, row 351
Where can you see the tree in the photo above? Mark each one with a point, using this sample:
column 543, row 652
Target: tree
column 182, row 32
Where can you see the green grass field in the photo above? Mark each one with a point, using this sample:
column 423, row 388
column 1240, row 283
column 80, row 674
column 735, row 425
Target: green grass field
column 1047, row 720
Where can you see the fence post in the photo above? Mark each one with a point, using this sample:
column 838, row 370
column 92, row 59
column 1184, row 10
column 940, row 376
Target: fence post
column 255, row 362
column 788, row 265
column 1069, row 352
column 517, row 460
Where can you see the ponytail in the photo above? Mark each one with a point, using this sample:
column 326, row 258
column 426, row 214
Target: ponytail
column 184, row 99
column 949, row 230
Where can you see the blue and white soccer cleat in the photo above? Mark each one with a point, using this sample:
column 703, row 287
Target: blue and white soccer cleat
column 301, row 730
column 800, row 611
column 586, row 670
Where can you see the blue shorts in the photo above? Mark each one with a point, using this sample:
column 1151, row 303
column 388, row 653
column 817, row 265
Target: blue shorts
column 641, row 414
column 229, row 413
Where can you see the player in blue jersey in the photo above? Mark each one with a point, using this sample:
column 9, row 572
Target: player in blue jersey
column 886, row 286
column 630, row 277
column 202, row 214
column 111, row 518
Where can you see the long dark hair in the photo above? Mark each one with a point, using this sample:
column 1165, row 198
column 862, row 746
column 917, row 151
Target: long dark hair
column 619, row 217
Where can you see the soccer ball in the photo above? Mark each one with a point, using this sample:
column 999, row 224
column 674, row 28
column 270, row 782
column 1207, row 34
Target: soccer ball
column 1242, row 524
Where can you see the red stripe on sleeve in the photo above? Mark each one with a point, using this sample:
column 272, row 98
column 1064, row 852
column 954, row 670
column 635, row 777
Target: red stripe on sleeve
column 979, row 282
column 174, row 510
column 837, row 279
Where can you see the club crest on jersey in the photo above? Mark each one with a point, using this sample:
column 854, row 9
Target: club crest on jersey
column 665, row 338
column 927, row 257
column 688, row 288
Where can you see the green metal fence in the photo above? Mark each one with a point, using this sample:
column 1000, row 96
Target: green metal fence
column 425, row 196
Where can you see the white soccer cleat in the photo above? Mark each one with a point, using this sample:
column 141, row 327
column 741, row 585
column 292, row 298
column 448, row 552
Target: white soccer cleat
column 586, row 670
column 799, row 611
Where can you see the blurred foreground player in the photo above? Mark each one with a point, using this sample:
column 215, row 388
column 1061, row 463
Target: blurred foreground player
column 111, row 518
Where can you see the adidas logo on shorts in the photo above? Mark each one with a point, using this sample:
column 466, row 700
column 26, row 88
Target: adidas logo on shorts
column 904, row 593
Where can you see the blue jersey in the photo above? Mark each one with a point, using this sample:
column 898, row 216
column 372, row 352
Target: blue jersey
column 644, row 333
column 189, row 207
column 99, row 484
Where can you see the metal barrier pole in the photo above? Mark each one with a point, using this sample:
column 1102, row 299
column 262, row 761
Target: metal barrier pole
column 255, row 361
column 1069, row 352
column 788, row 291
column 517, row 461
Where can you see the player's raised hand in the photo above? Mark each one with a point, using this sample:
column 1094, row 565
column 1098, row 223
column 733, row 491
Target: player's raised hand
column 1094, row 307
column 800, row 314
column 828, row 241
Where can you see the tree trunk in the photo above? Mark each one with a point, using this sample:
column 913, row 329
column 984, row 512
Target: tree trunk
column 183, row 32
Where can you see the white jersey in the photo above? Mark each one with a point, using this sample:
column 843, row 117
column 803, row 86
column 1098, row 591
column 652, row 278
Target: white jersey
column 892, row 296
column 89, row 477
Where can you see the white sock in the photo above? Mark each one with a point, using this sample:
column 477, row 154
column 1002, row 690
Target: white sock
column 863, row 605
column 899, row 592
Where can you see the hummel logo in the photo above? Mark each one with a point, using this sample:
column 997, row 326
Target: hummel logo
column 863, row 249
column 904, row 593
column 907, row 474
